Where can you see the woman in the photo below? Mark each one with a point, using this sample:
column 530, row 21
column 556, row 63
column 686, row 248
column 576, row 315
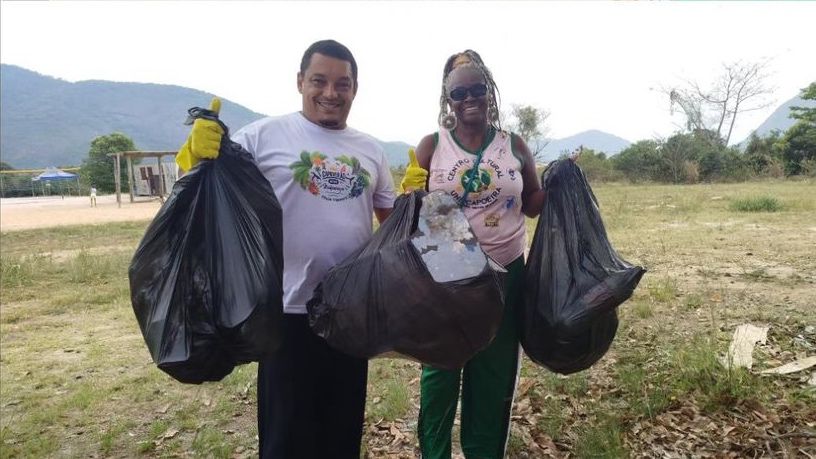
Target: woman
column 492, row 174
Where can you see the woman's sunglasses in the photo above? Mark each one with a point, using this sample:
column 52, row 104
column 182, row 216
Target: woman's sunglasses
column 460, row 93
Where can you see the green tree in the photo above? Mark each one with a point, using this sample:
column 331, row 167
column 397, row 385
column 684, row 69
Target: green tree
column 807, row 114
column 722, row 164
column 798, row 145
column 596, row 166
column 699, row 156
column 530, row 123
column 640, row 161
column 97, row 168
column 4, row 166
column 763, row 155
column 677, row 156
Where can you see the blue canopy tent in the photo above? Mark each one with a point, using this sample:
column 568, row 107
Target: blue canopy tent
column 52, row 174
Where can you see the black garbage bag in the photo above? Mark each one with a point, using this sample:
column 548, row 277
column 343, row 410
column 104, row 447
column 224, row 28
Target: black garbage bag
column 206, row 279
column 421, row 288
column 574, row 279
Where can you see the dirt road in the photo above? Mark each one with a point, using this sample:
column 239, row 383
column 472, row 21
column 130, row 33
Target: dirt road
column 42, row 212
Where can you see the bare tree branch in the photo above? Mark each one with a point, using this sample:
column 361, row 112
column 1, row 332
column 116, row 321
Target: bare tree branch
column 739, row 88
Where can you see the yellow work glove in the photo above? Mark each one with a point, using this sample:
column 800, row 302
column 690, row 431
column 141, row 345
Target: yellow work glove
column 203, row 141
column 415, row 176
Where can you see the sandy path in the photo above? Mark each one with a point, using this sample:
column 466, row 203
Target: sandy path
column 42, row 212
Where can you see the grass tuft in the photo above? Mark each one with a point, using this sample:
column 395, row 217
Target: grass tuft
column 575, row 385
column 21, row 271
column 700, row 373
column 602, row 439
column 693, row 301
column 643, row 309
column 663, row 290
column 394, row 402
column 210, row 442
column 756, row 204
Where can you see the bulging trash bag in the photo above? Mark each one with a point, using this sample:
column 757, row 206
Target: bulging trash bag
column 574, row 279
column 206, row 279
column 421, row 287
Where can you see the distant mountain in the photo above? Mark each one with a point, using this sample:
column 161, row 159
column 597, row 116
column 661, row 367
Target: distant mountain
column 780, row 119
column 46, row 121
column 396, row 152
column 597, row 140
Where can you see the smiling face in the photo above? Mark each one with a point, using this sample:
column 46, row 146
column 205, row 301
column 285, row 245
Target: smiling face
column 328, row 89
column 472, row 110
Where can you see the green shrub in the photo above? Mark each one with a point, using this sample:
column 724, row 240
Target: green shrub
column 756, row 204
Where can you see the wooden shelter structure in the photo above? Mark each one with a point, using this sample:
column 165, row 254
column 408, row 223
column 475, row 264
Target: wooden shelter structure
column 129, row 156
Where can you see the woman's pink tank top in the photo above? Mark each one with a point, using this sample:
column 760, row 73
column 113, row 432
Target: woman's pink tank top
column 493, row 203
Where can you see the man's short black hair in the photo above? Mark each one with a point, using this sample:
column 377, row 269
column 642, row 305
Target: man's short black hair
column 329, row 48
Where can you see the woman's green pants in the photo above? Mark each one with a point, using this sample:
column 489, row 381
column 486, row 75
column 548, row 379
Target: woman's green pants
column 488, row 382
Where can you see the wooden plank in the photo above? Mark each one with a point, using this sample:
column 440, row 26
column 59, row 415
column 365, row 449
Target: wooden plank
column 161, row 179
column 117, row 179
column 130, row 177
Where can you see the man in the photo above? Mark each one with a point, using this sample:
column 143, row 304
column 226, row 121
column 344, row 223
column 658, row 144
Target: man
column 329, row 179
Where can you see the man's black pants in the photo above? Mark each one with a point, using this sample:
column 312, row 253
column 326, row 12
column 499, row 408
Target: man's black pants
column 311, row 398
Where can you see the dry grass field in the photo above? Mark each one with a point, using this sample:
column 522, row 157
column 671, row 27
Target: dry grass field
column 76, row 379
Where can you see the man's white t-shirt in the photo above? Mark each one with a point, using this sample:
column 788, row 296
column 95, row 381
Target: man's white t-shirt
column 328, row 182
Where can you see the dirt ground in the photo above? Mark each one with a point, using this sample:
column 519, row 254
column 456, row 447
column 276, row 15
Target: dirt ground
column 42, row 212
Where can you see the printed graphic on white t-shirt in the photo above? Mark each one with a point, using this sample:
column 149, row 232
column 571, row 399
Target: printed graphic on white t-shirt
column 333, row 179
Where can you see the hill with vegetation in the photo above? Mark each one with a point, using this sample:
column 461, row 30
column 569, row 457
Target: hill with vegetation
column 47, row 121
